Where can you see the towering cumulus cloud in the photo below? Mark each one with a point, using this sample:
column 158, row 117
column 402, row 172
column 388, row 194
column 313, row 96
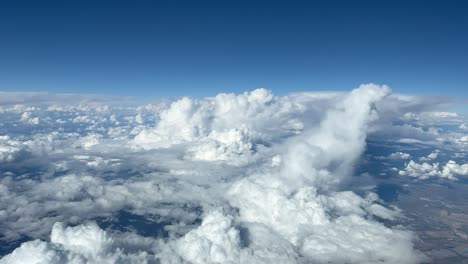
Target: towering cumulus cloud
column 250, row 178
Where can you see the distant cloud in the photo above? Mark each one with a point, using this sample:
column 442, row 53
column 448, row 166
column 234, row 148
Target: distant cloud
column 395, row 156
column 425, row 170
column 55, row 102
column 247, row 178
column 432, row 156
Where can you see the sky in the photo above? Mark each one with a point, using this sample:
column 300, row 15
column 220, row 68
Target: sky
column 201, row 48
column 275, row 174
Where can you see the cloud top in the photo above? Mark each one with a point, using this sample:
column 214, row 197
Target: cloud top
column 248, row 178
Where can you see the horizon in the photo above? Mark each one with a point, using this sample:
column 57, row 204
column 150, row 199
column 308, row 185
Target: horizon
column 167, row 48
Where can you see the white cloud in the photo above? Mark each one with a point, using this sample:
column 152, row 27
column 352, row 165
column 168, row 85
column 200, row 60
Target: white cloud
column 81, row 244
column 83, row 119
column 234, row 144
column 189, row 120
column 9, row 149
column 396, row 156
column 432, row 117
column 249, row 178
column 421, row 170
column 425, row 170
column 90, row 141
column 453, row 168
column 27, row 101
column 442, row 114
column 463, row 140
column 26, row 117
column 216, row 240
column 139, row 119
column 432, row 156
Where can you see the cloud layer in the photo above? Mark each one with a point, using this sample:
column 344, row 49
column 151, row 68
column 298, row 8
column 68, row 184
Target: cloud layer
column 249, row 178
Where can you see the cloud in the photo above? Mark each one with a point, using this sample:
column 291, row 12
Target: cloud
column 248, row 178
column 432, row 156
column 443, row 114
column 425, row 170
column 9, row 149
column 26, row 117
column 421, row 170
column 234, row 144
column 265, row 116
column 455, row 169
column 395, row 156
column 399, row 155
column 85, row 243
column 27, row 101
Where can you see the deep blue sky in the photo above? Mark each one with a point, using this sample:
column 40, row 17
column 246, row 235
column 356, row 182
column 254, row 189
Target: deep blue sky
column 198, row 48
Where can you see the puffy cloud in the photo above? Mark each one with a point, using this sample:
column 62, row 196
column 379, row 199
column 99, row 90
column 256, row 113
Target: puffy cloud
column 313, row 160
column 425, row 170
column 188, row 120
column 90, row 141
column 17, row 108
column 216, row 240
column 9, row 149
column 26, row 117
column 83, row 119
column 234, row 144
column 249, row 178
column 85, row 243
column 421, row 170
column 139, row 119
column 356, row 240
column 395, row 156
column 452, row 168
column 463, row 140
column 432, row 156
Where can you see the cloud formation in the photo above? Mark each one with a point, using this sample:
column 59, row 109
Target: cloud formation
column 249, row 178
column 425, row 170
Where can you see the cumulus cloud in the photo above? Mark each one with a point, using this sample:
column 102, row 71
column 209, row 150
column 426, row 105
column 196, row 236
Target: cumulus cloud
column 9, row 149
column 187, row 120
column 399, row 155
column 395, row 156
column 85, row 243
column 432, row 156
column 463, row 140
column 234, row 144
column 425, row 170
column 26, row 117
column 89, row 141
column 455, row 169
column 248, row 178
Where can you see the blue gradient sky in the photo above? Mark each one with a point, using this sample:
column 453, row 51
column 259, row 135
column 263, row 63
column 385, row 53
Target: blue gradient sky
column 198, row 48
